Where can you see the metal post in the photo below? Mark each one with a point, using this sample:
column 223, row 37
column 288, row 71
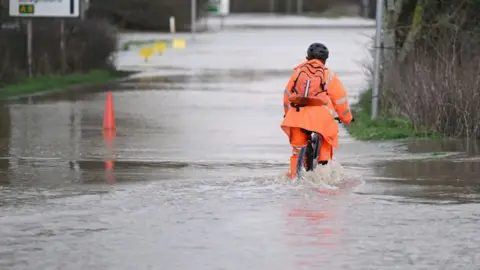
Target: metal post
column 272, row 6
column 376, row 71
column 82, row 9
column 84, row 5
column 29, row 47
column 193, row 18
column 366, row 8
column 63, row 52
column 299, row 7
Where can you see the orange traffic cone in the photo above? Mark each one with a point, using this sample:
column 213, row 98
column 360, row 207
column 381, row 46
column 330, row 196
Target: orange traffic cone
column 109, row 115
column 109, row 136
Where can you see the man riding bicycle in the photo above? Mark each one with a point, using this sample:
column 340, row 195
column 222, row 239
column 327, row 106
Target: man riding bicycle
column 312, row 96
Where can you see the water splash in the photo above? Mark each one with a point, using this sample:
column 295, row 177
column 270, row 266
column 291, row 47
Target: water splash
column 332, row 176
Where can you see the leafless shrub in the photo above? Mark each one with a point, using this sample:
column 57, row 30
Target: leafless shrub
column 151, row 15
column 286, row 6
column 89, row 44
column 438, row 86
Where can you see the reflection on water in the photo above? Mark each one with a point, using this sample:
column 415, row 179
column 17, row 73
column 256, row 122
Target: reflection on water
column 453, row 179
column 5, row 133
column 311, row 230
column 433, row 172
column 464, row 146
column 109, row 136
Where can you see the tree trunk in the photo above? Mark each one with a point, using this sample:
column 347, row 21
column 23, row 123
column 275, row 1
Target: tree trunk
column 392, row 12
column 413, row 33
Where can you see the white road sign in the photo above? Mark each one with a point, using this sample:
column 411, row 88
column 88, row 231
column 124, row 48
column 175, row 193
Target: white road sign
column 219, row 7
column 44, row 8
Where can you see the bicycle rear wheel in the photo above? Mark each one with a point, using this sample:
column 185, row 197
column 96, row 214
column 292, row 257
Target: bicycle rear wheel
column 310, row 157
column 300, row 163
column 307, row 157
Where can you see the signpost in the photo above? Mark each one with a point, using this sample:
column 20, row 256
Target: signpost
column 193, row 18
column 219, row 8
column 43, row 9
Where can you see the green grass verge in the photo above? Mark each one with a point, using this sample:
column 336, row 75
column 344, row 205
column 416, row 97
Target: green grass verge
column 382, row 127
column 57, row 82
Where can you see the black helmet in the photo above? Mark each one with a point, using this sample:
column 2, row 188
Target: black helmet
column 317, row 51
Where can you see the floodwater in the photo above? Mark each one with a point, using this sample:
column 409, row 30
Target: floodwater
column 191, row 178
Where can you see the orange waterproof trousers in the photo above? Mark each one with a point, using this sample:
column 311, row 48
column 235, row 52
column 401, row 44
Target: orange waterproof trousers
column 298, row 139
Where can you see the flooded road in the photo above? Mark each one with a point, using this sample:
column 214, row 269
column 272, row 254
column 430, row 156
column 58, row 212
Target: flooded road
column 191, row 178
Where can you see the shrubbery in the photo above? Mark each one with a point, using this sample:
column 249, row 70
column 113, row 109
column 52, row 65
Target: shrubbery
column 152, row 15
column 89, row 42
column 437, row 85
column 89, row 45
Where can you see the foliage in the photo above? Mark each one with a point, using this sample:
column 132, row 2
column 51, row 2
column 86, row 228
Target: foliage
column 384, row 127
column 433, row 82
column 89, row 45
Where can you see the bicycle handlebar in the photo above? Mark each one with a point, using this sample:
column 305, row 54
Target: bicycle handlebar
column 340, row 121
column 337, row 119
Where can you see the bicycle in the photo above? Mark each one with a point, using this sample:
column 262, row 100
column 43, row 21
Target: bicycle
column 310, row 152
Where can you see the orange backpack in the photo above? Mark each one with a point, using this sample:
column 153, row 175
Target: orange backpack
column 309, row 87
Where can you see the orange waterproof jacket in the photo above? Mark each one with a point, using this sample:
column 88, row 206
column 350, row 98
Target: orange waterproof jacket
column 319, row 119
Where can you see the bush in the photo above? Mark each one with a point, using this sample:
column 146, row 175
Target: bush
column 146, row 14
column 384, row 126
column 437, row 88
column 89, row 45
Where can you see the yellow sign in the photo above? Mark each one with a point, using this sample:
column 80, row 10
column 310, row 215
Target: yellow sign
column 146, row 52
column 178, row 44
column 26, row 9
column 160, row 47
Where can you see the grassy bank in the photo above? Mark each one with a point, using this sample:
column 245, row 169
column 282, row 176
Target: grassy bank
column 52, row 83
column 384, row 127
